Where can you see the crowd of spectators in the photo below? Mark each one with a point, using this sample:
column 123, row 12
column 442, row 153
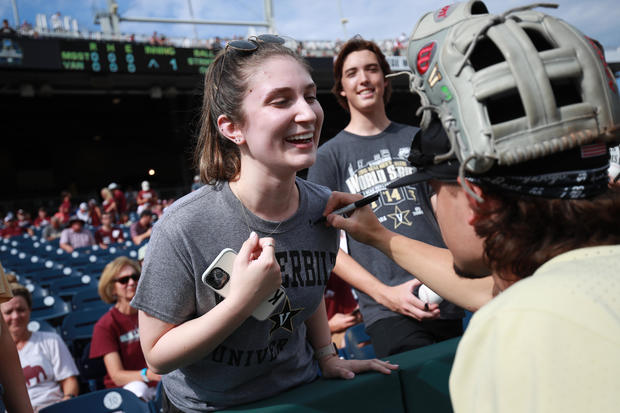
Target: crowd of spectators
column 92, row 222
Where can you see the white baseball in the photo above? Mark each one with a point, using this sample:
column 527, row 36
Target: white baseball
column 428, row 296
column 614, row 170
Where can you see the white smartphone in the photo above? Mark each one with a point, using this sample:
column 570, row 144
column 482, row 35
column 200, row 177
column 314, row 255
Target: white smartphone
column 217, row 277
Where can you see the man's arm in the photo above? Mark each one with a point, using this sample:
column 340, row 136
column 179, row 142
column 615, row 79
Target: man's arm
column 431, row 265
column 399, row 298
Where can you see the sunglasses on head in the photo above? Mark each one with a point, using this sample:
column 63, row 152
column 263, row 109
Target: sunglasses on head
column 124, row 280
column 253, row 42
column 246, row 46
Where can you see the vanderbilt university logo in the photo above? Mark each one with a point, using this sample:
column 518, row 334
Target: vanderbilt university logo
column 400, row 217
column 284, row 319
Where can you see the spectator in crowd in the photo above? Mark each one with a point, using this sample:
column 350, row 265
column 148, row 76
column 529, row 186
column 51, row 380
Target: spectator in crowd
column 63, row 213
column 141, row 230
column 250, row 147
column 196, row 184
column 76, row 236
column 66, row 200
column 543, row 223
column 6, row 29
column 157, row 210
column 42, row 218
column 109, row 205
column 15, row 394
column 395, row 319
column 130, row 196
column 342, row 308
column 11, row 226
column 147, row 197
column 107, row 234
column 48, row 367
column 23, row 219
column 119, row 197
column 94, row 213
column 124, row 220
column 83, row 212
column 53, row 230
column 116, row 337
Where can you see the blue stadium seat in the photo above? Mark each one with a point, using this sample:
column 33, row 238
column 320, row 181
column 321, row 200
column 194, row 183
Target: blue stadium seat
column 102, row 401
column 88, row 298
column 45, row 278
column 67, row 287
column 41, row 325
column 50, row 308
column 77, row 327
column 36, row 291
column 357, row 343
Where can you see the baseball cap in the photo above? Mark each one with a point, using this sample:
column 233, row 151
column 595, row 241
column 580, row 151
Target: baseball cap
column 84, row 206
column 75, row 218
column 576, row 173
column 145, row 185
column 425, row 146
column 112, row 186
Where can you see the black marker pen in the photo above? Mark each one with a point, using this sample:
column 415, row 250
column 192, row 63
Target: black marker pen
column 351, row 207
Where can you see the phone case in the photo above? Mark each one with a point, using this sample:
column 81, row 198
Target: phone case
column 217, row 277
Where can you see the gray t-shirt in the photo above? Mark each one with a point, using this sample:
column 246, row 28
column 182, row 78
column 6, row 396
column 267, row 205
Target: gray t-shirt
column 365, row 165
column 259, row 359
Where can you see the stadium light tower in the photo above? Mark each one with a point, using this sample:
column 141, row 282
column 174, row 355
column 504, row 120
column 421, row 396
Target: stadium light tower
column 111, row 19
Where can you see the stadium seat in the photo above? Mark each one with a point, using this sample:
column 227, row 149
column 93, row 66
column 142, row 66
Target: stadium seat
column 36, row 291
column 357, row 343
column 50, row 308
column 102, row 401
column 40, row 325
column 45, row 278
column 67, row 287
column 77, row 328
column 87, row 298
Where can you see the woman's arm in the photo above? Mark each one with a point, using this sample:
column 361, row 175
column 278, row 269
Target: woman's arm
column 333, row 366
column 167, row 347
column 120, row 376
column 70, row 387
column 15, row 396
column 431, row 265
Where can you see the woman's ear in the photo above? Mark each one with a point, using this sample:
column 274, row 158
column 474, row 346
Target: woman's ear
column 230, row 130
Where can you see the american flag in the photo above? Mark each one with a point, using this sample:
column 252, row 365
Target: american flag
column 595, row 149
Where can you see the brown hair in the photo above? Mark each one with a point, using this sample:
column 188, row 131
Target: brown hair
column 225, row 86
column 355, row 45
column 524, row 232
column 19, row 290
column 108, row 277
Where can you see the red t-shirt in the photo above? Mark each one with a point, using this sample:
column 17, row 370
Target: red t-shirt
column 338, row 297
column 118, row 332
column 11, row 230
column 109, row 237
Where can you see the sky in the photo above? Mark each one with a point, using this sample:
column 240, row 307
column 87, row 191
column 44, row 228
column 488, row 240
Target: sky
column 309, row 20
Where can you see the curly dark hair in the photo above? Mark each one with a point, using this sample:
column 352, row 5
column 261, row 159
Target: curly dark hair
column 357, row 44
column 522, row 232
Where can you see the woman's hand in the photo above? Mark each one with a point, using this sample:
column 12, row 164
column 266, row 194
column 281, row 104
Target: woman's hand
column 334, row 367
column 256, row 273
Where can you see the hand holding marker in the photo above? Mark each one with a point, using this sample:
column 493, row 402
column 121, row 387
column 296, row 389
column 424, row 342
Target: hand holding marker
column 351, row 207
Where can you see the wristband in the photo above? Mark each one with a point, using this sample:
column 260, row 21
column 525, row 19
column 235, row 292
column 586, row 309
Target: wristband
column 143, row 374
column 328, row 350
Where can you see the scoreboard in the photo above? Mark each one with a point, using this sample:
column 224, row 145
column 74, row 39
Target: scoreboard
column 102, row 56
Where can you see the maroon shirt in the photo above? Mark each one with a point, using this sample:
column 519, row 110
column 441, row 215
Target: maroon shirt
column 118, row 332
